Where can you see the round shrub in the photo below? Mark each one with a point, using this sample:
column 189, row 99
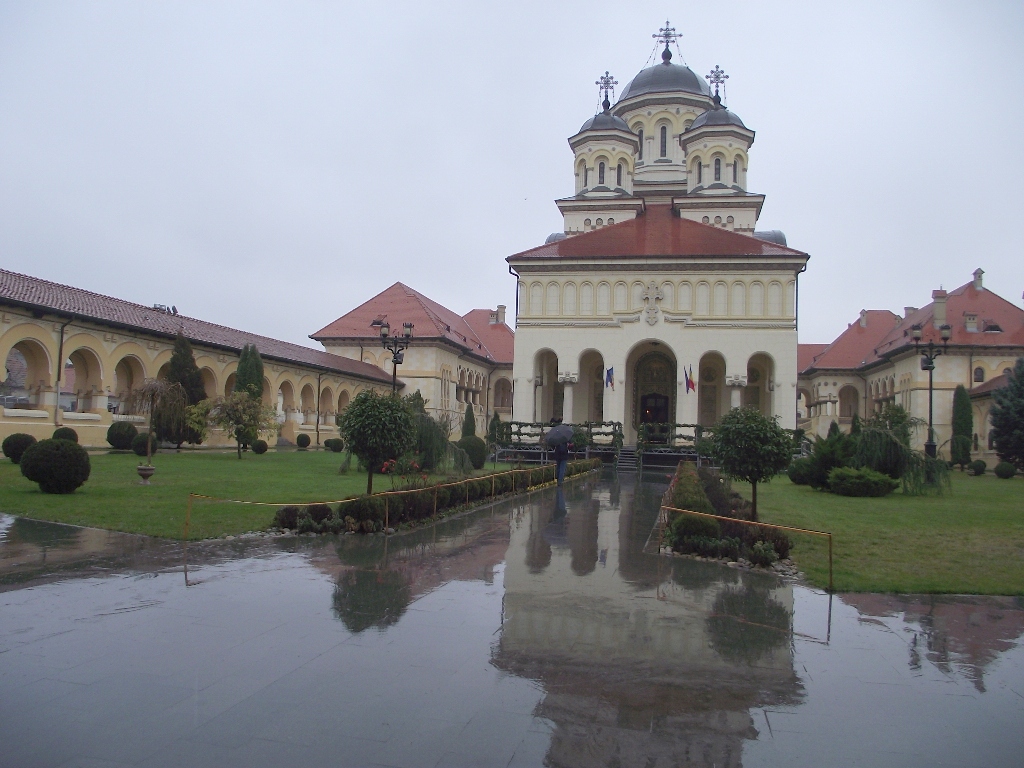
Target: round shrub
column 475, row 448
column 763, row 553
column 65, row 433
column 120, row 435
column 139, row 444
column 334, row 444
column 287, row 517
column 800, row 472
column 260, row 447
column 977, row 467
column 59, row 466
column 847, row 481
column 1005, row 470
column 14, row 446
column 688, row 526
column 319, row 512
column 302, row 441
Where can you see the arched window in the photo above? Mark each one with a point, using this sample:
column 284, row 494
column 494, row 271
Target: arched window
column 718, row 169
column 586, row 177
column 735, row 171
column 979, row 374
column 664, row 141
column 618, row 175
column 700, row 172
column 640, row 134
column 600, row 173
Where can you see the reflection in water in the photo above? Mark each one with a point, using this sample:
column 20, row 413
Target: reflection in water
column 364, row 599
column 747, row 624
column 960, row 633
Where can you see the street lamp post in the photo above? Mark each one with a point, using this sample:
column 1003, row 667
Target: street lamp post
column 396, row 345
column 928, row 355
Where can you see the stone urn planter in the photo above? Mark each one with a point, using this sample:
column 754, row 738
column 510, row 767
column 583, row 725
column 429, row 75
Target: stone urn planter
column 145, row 472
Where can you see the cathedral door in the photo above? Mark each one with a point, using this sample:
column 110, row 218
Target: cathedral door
column 655, row 391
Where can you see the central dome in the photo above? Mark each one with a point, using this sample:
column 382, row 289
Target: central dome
column 664, row 78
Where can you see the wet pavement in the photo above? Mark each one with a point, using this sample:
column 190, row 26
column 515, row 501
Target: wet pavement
column 533, row 632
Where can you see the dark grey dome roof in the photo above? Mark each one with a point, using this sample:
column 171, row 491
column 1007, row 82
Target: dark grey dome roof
column 605, row 121
column 719, row 116
column 665, row 77
column 555, row 237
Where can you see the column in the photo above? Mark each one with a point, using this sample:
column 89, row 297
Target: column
column 567, row 388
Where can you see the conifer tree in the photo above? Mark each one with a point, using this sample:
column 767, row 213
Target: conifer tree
column 1007, row 417
column 249, row 375
column 469, row 422
column 183, row 370
column 963, row 427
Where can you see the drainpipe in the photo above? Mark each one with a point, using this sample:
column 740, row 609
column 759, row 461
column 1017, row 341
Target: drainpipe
column 516, row 276
column 60, row 370
column 318, row 376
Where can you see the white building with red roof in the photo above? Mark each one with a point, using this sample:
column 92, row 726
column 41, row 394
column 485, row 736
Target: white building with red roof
column 876, row 361
column 453, row 360
column 658, row 302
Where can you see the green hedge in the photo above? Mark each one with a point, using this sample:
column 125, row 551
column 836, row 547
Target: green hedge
column 120, row 435
column 847, row 481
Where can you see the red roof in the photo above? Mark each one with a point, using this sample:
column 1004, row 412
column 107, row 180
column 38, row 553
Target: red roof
column 657, row 232
column 65, row 300
column 855, row 346
column 996, row 382
column 992, row 312
column 497, row 337
column 805, row 354
column 401, row 304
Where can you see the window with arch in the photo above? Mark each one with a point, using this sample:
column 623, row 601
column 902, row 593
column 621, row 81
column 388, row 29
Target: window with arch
column 700, row 172
column 586, row 177
column 718, row 169
column 736, row 171
column 618, row 175
column 979, row 374
column 600, row 173
column 664, row 141
column 640, row 134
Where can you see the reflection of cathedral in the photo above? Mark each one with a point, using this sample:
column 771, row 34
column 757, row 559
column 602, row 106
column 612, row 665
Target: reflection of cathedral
column 658, row 277
column 640, row 665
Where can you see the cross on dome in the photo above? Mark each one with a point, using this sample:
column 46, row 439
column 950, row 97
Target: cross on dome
column 717, row 77
column 606, row 83
column 666, row 35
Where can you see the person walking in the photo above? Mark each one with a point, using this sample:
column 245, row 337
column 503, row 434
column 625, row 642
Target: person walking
column 561, row 447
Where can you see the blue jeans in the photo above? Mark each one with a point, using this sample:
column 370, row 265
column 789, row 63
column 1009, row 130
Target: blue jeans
column 560, row 470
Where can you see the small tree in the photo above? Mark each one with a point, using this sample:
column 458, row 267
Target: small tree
column 243, row 417
column 249, row 374
column 963, row 427
column 183, row 371
column 376, row 428
column 1007, row 417
column 469, row 422
column 166, row 404
column 751, row 447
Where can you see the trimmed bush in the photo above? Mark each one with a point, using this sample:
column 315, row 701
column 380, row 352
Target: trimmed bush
column 688, row 491
column 763, row 553
column 475, row 448
column 335, row 444
column 59, row 466
column 1005, row 470
column 287, row 517
column 302, row 441
column 847, row 481
column 139, row 444
column 688, row 526
column 65, row 433
column 978, row 467
column 319, row 512
column 778, row 540
column 260, row 447
column 800, row 471
column 14, row 446
column 120, row 435
column 709, row 547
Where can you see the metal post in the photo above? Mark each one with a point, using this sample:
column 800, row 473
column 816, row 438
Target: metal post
column 929, row 446
column 831, row 587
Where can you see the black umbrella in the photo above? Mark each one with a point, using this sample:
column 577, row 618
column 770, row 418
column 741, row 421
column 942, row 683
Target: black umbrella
column 562, row 433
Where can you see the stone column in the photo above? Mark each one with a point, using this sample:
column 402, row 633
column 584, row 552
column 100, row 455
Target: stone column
column 567, row 387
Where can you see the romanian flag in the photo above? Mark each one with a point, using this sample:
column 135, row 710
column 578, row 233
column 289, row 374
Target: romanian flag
column 691, row 384
column 609, row 379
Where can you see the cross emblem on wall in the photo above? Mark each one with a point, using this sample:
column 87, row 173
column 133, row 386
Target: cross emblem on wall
column 651, row 295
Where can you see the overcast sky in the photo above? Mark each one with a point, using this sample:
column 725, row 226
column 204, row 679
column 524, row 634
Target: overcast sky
column 270, row 166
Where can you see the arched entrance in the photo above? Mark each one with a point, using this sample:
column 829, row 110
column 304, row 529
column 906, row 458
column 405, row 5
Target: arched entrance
column 651, row 387
column 588, row 403
column 710, row 389
column 760, row 375
column 548, row 392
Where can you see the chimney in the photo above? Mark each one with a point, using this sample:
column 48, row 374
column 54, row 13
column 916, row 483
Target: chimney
column 977, row 279
column 939, row 308
column 500, row 314
column 908, row 311
column 863, row 318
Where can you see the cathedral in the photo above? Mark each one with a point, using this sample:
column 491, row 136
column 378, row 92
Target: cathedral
column 660, row 301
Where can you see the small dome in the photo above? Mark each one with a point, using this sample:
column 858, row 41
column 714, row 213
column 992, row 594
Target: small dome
column 719, row 115
column 663, row 78
column 605, row 121
column 555, row 237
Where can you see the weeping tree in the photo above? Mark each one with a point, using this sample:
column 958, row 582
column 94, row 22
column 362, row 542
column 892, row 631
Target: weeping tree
column 160, row 400
column 963, row 427
column 884, row 451
column 182, row 370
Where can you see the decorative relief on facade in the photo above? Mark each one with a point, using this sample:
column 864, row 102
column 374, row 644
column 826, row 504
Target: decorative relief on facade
column 651, row 296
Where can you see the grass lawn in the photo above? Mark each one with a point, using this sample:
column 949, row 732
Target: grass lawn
column 113, row 498
column 970, row 541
